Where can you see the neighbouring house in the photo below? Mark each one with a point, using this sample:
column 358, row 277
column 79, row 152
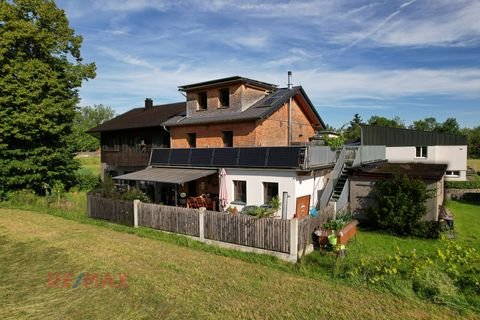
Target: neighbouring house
column 406, row 145
column 127, row 139
column 362, row 182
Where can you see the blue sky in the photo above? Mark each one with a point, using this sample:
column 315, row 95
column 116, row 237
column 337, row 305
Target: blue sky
column 410, row 58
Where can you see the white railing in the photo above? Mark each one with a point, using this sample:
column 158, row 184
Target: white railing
column 320, row 155
column 368, row 154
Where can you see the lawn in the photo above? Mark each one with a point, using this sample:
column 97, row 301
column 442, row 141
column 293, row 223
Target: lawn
column 474, row 164
column 91, row 163
column 166, row 280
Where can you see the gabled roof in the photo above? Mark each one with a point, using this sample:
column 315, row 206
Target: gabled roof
column 226, row 81
column 142, row 118
column 398, row 137
column 260, row 110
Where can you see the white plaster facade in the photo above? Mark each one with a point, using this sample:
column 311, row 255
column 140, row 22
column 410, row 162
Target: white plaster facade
column 453, row 156
column 288, row 181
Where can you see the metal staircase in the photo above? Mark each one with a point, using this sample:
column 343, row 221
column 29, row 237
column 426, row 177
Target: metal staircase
column 341, row 182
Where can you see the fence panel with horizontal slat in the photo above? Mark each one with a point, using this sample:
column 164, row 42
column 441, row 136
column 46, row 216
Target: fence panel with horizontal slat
column 263, row 233
column 120, row 211
column 167, row 218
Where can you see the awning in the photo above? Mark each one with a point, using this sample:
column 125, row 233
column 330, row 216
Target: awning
column 167, row 175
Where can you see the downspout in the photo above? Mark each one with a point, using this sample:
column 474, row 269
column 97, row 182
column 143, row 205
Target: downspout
column 290, row 110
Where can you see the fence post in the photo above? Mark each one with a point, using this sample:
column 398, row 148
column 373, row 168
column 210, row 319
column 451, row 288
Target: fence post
column 294, row 239
column 89, row 205
column 201, row 225
column 135, row 213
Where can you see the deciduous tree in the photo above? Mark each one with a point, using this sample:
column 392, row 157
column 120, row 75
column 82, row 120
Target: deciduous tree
column 41, row 70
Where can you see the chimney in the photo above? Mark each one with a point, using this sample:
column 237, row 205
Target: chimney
column 289, row 79
column 148, row 103
column 290, row 110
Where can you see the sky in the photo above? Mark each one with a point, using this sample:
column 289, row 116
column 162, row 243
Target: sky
column 410, row 58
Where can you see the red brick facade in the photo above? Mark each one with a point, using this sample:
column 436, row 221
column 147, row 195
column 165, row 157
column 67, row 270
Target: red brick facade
column 272, row 131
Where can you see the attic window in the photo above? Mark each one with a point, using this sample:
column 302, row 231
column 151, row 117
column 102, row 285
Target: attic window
column 224, row 96
column 202, row 101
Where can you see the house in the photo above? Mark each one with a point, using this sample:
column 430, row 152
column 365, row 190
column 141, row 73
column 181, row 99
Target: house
column 127, row 139
column 254, row 130
column 241, row 112
column 406, row 145
column 362, row 181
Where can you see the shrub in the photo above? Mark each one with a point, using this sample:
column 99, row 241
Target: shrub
column 400, row 204
column 22, row 197
column 259, row 212
column 86, row 180
column 462, row 184
column 135, row 194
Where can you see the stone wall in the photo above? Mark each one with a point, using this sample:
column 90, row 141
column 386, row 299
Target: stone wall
column 463, row 194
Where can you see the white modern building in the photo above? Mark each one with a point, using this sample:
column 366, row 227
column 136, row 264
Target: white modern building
column 413, row 146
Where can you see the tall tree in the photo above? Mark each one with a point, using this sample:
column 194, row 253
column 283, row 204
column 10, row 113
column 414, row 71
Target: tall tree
column 449, row 126
column 395, row 122
column 427, row 124
column 474, row 142
column 353, row 132
column 40, row 72
column 86, row 118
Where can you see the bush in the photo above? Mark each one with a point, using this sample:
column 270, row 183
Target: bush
column 86, row 180
column 22, row 197
column 400, row 205
column 462, row 184
column 135, row 194
column 259, row 212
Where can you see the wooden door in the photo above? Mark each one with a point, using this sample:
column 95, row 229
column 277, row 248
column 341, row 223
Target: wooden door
column 302, row 207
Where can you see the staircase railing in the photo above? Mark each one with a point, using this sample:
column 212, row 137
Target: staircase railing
column 342, row 201
column 334, row 175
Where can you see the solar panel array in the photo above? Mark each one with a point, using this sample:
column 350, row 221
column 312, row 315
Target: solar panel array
column 259, row 157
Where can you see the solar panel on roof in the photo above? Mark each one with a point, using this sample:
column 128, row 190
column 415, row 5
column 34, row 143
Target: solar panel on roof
column 252, row 157
column 160, row 156
column 286, row 157
column 201, row 157
column 179, row 157
column 225, row 157
column 272, row 98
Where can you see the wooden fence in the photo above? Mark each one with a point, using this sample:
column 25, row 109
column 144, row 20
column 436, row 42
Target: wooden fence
column 168, row 218
column 264, row 233
column 119, row 211
column 279, row 235
column 308, row 224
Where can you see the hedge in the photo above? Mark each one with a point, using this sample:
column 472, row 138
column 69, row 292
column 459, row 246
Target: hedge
column 462, row 184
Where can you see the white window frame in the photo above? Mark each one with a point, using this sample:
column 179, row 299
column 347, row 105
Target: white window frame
column 452, row 173
column 422, row 155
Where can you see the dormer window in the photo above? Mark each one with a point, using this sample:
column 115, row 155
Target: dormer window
column 224, row 97
column 202, row 101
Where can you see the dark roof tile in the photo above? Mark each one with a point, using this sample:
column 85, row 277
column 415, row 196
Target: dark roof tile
column 142, row 118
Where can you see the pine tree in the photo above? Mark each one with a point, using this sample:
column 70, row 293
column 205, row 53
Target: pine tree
column 40, row 72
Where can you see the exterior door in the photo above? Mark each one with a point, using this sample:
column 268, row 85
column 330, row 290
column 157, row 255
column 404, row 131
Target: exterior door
column 302, row 207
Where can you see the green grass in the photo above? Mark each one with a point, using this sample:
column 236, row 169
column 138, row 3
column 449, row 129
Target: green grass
column 467, row 223
column 167, row 280
column 91, row 163
column 474, row 164
column 313, row 271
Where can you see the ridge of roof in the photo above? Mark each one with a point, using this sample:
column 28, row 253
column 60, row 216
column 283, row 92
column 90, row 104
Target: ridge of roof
column 227, row 80
column 141, row 117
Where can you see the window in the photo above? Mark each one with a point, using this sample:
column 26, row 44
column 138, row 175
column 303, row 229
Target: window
column 421, row 152
column 192, row 140
column 224, row 96
column 116, row 144
column 202, row 101
column 240, row 191
column 270, row 190
column 452, row 174
column 227, row 138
